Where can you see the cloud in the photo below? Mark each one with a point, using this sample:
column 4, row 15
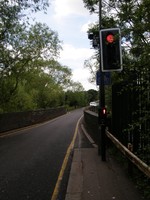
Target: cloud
column 75, row 53
column 84, row 27
column 63, row 8
column 87, row 25
column 71, row 20
column 82, row 75
column 74, row 56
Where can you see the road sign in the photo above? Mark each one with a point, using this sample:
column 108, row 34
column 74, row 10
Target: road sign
column 107, row 78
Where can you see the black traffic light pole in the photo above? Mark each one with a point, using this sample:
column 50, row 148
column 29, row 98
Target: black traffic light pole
column 102, row 140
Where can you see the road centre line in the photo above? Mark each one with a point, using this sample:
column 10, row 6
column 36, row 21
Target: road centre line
column 65, row 161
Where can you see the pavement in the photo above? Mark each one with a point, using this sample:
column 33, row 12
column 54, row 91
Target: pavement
column 93, row 179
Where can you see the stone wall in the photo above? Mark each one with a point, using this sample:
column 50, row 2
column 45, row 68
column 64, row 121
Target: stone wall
column 91, row 124
column 10, row 121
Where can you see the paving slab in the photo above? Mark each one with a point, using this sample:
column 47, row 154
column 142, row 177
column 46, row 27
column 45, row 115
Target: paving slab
column 93, row 179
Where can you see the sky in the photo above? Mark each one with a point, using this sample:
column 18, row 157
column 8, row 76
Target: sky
column 70, row 20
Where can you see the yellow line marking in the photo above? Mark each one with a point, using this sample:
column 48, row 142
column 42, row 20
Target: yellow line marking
column 65, row 161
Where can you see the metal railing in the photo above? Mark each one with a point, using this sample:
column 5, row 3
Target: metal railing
column 127, row 152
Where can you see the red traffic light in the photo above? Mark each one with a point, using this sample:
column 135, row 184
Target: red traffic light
column 110, row 49
column 103, row 112
column 110, row 38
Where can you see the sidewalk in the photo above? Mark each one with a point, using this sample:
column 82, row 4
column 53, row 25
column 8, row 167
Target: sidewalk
column 92, row 179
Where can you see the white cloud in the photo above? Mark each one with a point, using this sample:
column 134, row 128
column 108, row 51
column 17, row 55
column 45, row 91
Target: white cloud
column 86, row 26
column 64, row 8
column 70, row 19
column 74, row 58
column 73, row 53
column 82, row 75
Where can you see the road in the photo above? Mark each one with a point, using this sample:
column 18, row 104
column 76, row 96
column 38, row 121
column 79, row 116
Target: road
column 31, row 159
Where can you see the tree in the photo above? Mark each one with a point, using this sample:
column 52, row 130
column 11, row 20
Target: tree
column 14, row 55
column 92, row 95
column 23, row 49
column 30, row 75
column 75, row 96
column 133, row 18
column 59, row 73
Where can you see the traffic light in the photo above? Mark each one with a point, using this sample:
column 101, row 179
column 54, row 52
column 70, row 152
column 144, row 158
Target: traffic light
column 102, row 115
column 110, row 48
column 94, row 36
column 103, row 112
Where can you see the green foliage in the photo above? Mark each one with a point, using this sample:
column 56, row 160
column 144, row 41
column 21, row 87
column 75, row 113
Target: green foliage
column 91, row 5
column 92, row 95
column 30, row 75
column 75, row 96
column 132, row 17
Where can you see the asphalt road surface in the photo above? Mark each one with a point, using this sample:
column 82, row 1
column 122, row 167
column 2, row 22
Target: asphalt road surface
column 31, row 159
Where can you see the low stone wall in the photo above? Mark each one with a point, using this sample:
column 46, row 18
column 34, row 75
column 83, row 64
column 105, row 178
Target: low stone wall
column 10, row 121
column 91, row 124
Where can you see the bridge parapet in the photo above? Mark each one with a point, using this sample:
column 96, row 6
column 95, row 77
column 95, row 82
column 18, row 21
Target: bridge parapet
column 10, row 121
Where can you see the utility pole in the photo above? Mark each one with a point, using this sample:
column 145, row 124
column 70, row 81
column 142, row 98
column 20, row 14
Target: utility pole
column 102, row 140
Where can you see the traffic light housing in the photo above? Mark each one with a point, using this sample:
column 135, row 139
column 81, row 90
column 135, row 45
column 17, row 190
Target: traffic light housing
column 110, row 48
column 94, row 37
